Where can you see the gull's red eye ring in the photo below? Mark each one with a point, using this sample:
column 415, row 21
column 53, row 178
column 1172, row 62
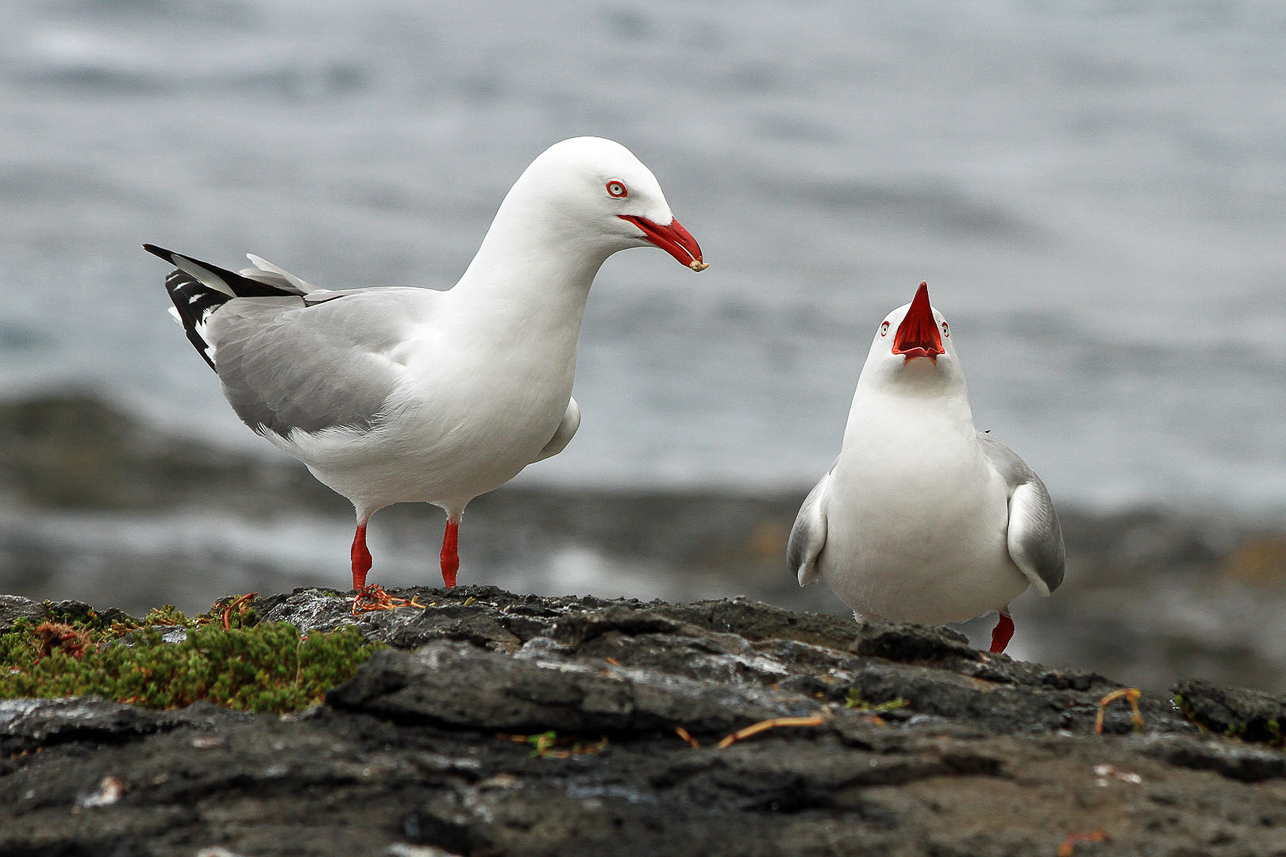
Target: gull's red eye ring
column 945, row 330
column 617, row 189
column 884, row 329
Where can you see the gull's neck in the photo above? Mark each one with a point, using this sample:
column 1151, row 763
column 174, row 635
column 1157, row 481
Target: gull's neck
column 909, row 417
column 532, row 271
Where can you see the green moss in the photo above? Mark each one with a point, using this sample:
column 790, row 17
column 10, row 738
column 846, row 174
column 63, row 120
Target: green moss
column 18, row 644
column 263, row 667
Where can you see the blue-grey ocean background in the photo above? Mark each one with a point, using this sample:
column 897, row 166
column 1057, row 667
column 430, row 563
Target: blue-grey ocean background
column 1095, row 193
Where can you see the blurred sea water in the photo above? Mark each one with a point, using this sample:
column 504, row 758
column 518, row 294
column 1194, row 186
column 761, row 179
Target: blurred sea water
column 1095, row 193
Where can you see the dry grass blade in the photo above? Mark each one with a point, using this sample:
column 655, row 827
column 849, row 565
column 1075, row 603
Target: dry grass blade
column 687, row 736
column 372, row 597
column 774, row 723
column 1130, row 693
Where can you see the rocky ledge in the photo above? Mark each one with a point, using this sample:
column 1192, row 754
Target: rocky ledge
column 501, row 724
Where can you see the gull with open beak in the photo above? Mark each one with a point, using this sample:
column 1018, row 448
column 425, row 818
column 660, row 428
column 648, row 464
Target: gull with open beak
column 922, row 518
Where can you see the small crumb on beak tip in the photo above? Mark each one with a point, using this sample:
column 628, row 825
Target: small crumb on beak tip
column 698, row 266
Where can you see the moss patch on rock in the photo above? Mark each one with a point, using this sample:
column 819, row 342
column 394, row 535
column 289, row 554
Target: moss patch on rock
column 168, row 660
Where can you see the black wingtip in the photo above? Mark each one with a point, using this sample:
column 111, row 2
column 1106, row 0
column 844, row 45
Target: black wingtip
column 241, row 286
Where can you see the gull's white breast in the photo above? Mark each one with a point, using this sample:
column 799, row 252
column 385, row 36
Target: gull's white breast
column 917, row 517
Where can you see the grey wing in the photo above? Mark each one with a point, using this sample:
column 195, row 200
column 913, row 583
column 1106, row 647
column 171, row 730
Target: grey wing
column 285, row 364
column 808, row 535
column 1034, row 536
column 564, row 433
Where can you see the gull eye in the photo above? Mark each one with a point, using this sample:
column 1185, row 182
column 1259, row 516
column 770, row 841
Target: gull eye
column 617, row 190
column 884, row 329
column 945, row 330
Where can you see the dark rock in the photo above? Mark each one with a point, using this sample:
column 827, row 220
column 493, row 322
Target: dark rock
column 1234, row 761
column 432, row 747
column 455, row 685
column 1247, row 714
column 33, row 724
column 14, row 607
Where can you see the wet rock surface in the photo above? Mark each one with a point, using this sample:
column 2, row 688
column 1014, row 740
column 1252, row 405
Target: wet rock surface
column 503, row 724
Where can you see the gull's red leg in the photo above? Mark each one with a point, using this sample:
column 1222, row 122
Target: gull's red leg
column 1002, row 633
column 361, row 558
column 451, row 551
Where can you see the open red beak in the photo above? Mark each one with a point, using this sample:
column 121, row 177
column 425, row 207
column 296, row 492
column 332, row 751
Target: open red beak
column 918, row 335
column 673, row 239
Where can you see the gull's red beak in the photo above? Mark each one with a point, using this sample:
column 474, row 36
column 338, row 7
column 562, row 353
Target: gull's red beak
column 672, row 238
column 918, row 335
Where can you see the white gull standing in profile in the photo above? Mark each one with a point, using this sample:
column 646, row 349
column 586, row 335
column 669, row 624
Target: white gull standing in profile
column 399, row 394
column 922, row 518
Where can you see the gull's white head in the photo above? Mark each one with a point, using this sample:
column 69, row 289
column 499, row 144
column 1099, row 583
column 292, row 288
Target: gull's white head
column 596, row 191
column 912, row 349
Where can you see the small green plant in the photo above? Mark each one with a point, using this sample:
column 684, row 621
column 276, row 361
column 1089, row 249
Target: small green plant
column 547, row 745
column 854, row 700
column 222, row 659
column 542, row 742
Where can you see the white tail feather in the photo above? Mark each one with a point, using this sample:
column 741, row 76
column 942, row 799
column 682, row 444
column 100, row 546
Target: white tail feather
column 266, row 272
column 202, row 275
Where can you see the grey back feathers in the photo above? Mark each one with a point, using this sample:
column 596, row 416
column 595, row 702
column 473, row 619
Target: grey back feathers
column 288, row 365
column 286, row 357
